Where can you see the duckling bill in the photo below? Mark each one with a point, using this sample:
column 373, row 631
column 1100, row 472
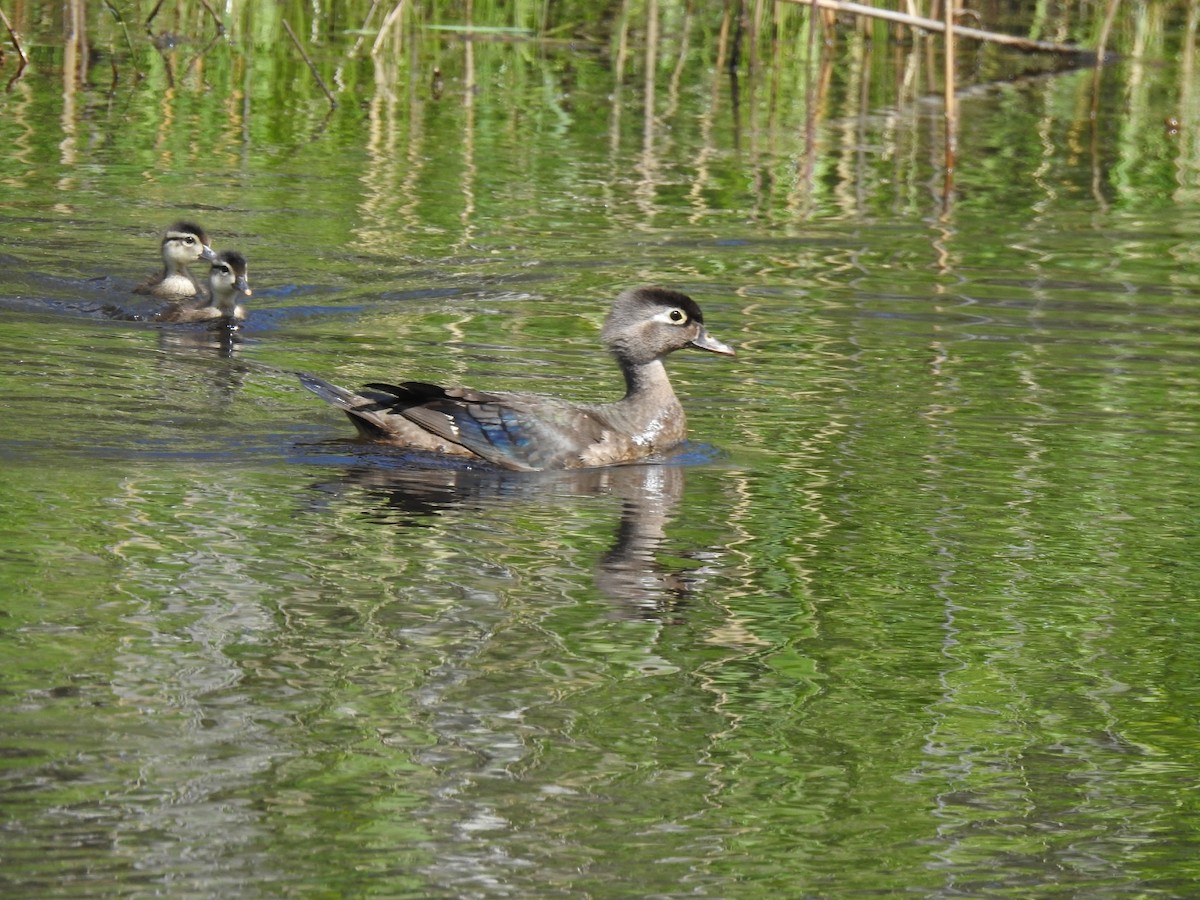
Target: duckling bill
column 534, row 432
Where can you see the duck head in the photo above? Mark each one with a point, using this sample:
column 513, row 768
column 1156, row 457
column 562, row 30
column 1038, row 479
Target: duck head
column 647, row 323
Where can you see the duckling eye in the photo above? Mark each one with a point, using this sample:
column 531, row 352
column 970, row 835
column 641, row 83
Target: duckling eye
column 189, row 240
column 677, row 316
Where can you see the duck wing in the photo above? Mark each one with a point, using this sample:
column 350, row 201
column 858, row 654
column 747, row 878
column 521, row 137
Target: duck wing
column 377, row 416
column 517, row 431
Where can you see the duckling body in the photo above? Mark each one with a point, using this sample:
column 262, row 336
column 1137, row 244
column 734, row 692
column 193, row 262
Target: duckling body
column 226, row 280
column 532, row 432
column 182, row 244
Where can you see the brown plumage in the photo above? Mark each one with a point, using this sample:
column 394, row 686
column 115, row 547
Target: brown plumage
column 532, row 432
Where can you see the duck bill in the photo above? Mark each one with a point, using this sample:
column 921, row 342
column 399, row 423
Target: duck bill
column 242, row 285
column 705, row 341
column 207, row 254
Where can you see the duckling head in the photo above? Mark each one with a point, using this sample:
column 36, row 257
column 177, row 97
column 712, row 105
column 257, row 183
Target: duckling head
column 185, row 243
column 227, row 279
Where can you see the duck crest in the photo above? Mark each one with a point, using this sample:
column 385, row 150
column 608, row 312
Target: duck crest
column 665, row 297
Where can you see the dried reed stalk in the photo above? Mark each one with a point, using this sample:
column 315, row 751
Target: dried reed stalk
column 925, row 24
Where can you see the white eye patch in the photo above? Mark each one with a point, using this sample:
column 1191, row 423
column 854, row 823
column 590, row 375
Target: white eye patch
column 673, row 316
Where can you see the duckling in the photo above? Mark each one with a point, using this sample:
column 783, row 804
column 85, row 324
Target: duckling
column 533, row 432
column 226, row 280
column 182, row 244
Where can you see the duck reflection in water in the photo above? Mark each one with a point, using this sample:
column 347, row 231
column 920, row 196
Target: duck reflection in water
column 628, row 573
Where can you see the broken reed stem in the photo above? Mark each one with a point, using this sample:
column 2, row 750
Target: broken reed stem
column 16, row 39
column 363, row 30
column 311, row 66
column 924, row 24
column 388, row 20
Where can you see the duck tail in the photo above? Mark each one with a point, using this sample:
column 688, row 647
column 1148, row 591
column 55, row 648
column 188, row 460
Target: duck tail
column 368, row 414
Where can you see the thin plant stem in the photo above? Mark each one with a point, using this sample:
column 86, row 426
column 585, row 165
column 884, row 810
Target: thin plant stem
column 116, row 14
column 951, row 103
column 153, row 13
column 216, row 19
column 16, row 39
column 388, row 21
column 311, row 66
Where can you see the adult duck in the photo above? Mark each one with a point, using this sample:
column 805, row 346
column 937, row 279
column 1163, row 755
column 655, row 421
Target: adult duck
column 532, row 432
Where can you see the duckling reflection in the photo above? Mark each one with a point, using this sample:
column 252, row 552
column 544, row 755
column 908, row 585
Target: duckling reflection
column 628, row 573
column 224, row 342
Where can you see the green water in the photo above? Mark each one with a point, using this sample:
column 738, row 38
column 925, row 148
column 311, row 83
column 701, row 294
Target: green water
column 914, row 613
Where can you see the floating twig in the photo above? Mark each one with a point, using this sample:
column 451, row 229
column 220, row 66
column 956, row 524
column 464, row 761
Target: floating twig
column 995, row 37
column 311, row 66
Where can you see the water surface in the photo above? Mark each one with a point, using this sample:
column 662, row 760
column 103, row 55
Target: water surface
column 912, row 613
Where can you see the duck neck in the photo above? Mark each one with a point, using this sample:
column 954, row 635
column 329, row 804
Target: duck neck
column 645, row 378
column 650, row 412
column 223, row 301
column 173, row 268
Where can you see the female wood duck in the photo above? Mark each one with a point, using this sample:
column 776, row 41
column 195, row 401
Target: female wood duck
column 531, row 432
column 182, row 244
column 226, row 280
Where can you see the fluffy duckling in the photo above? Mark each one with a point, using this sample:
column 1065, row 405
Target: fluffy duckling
column 182, row 244
column 532, row 432
column 226, row 280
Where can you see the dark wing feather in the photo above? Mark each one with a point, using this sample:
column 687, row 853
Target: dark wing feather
column 409, row 392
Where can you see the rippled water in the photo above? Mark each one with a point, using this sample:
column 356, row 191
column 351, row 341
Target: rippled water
column 911, row 613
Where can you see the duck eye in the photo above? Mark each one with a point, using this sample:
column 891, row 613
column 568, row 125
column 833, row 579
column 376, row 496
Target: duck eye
column 677, row 316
